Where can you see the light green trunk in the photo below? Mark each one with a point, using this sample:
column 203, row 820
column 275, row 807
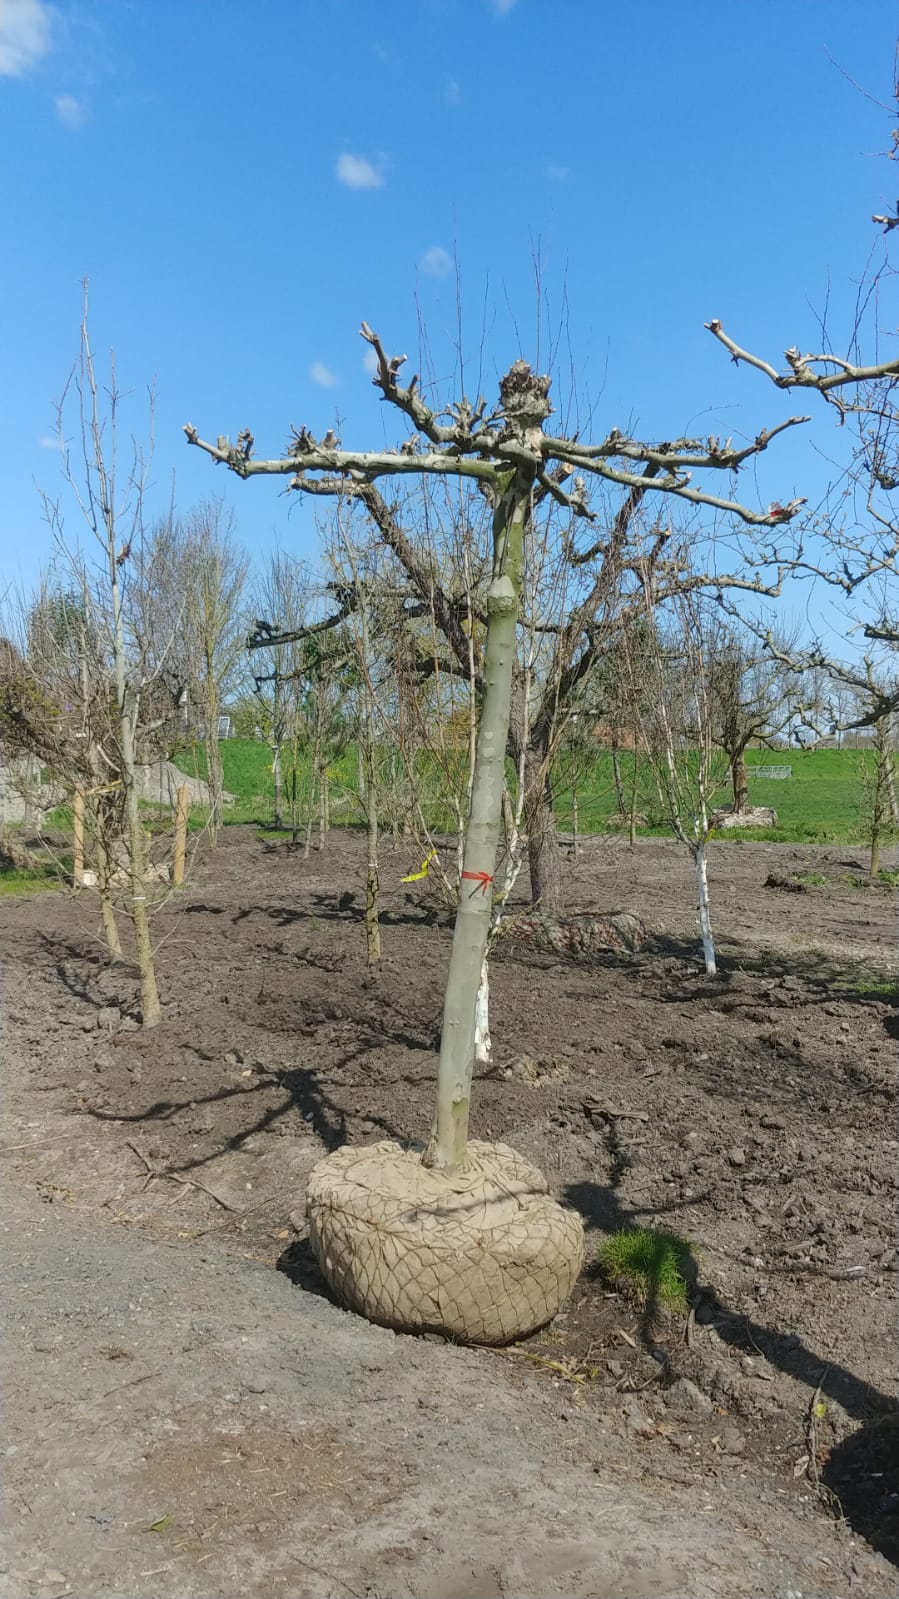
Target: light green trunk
column 447, row 1148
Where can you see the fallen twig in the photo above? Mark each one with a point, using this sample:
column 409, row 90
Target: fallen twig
column 37, row 1143
column 186, row 1182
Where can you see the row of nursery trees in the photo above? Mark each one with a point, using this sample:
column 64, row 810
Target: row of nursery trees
column 626, row 592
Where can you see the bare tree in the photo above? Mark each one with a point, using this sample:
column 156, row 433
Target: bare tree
column 57, row 708
column 283, row 592
column 198, row 601
column 754, row 698
column 110, row 500
column 879, row 792
column 673, row 698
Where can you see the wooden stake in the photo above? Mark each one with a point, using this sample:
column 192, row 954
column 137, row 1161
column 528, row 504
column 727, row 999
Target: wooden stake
column 78, row 838
column 181, row 809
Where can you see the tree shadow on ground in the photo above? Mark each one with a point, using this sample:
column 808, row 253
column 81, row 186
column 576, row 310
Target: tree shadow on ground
column 735, row 960
column 78, row 966
column 862, row 1473
column 303, row 1092
column 343, row 909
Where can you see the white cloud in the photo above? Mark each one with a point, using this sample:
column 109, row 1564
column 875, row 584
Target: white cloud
column 72, row 113
column 557, row 173
column 437, row 262
column 452, row 92
column 49, row 441
column 502, row 7
column 323, row 376
column 25, row 27
column 355, row 172
column 370, row 362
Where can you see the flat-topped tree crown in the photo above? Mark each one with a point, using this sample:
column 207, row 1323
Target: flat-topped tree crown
column 524, row 398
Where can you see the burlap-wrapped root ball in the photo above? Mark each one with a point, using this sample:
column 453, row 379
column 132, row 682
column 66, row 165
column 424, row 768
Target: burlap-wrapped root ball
column 484, row 1256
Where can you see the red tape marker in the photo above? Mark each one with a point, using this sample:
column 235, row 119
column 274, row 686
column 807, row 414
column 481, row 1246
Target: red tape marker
column 483, row 879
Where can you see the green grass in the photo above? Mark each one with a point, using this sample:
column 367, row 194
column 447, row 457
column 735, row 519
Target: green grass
column 652, row 1268
column 819, row 804
column 19, row 881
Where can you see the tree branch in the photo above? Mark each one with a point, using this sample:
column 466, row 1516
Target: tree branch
column 800, row 374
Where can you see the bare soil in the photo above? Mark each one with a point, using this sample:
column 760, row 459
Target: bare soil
column 187, row 1412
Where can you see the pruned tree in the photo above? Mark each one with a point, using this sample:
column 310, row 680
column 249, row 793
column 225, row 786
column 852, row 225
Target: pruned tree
column 517, row 463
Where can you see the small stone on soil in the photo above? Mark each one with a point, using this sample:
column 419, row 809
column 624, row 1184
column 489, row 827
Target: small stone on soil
column 685, row 1393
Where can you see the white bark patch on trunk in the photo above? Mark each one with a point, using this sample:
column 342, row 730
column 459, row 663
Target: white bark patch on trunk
column 483, row 1045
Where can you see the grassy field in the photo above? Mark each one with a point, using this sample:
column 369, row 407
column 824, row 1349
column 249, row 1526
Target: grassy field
column 821, row 803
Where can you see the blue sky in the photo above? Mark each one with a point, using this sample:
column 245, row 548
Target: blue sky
column 243, row 184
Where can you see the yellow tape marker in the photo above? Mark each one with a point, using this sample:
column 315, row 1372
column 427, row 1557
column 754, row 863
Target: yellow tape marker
column 416, row 877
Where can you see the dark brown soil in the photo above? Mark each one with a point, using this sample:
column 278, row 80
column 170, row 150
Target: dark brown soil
column 753, row 1114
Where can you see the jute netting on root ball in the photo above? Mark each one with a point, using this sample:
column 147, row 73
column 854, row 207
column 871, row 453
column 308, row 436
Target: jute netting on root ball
column 485, row 1255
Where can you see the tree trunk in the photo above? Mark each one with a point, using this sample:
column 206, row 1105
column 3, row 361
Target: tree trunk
column 890, row 782
column 151, row 1013
column 78, row 839
column 324, row 809
column 372, row 884
column 705, row 919
column 740, row 782
column 447, row 1148
column 635, row 788
column 619, row 786
column 294, row 803
column 215, row 777
column 107, row 909
column 880, row 794
column 182, row 807
column 278, row 782
column 29, row 791
column 106, row 827
column 372, row 778
column 508, row 818
column 310, row 809
column 544, row 855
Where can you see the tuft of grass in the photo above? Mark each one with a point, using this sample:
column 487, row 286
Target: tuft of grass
column 869, row 987
column 652, row 1268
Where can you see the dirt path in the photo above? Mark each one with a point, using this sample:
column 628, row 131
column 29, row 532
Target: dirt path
column 184, row 1419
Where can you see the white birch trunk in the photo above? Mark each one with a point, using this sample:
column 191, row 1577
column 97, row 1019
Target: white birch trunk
column 705, row 919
